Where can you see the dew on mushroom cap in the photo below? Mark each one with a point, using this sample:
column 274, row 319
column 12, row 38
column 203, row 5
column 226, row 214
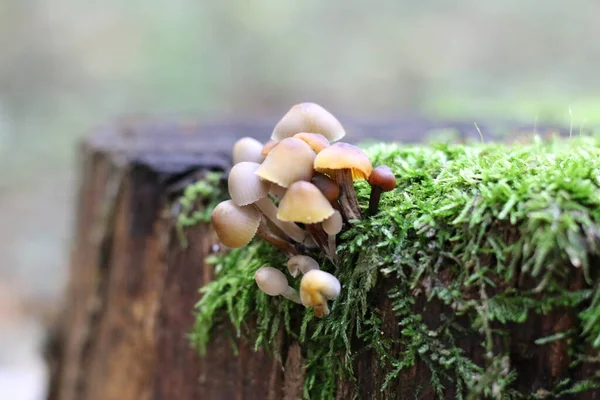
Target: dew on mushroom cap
column 308, row 117
column 247, row 149
column 301, row 263
column 290, row 161
column 274, row 283
column 235, row 226
column 316, row 287
column 345, row 163
column 303, row 202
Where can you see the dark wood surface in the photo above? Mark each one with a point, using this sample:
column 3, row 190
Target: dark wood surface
column 132, row 289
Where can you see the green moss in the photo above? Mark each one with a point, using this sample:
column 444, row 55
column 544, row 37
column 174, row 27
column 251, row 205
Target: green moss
column 464, row 223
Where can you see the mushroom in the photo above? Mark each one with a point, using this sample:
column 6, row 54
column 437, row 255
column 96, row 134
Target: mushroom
column 332, row 226
column 277, row 191
column 315, row 140
column 245, row 188
column 274, row 283
column 267, row 148
column 316, row 287
column 308, row 117
column 304, row 203
column 247, row 149
column 235, row 226
column 300, row 263
column 382, row 179
column 327, row 186
column 290, row 161
column 345, row 163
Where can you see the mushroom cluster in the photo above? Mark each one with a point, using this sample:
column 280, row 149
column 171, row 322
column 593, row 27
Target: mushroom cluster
column 296, row 191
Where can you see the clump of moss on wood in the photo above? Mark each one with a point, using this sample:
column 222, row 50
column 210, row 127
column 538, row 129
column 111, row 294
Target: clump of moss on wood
column 494, row 232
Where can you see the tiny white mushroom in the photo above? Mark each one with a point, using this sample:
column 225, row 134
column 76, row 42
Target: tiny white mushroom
column 301, row 264
column 332, row 226
column 274, row 283
column 316, row 287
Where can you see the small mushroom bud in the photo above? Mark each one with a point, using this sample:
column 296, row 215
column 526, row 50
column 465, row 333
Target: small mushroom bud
column 245, row 188
column 345, row 163
column 315, row 140
column 308, row 117
column 327, row 186
column 247, row 149
column 274, row 283
column 235, row 226
column 332, row 226
column 382, row 179
column 316, row 287
column 301, row 264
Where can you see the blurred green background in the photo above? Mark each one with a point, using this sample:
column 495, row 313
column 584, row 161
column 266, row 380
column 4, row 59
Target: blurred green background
column 67, row 66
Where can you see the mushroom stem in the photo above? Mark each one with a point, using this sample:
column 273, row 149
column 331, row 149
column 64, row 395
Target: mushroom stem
column 332, row 247
column 289, row 228
column 292, row 294
column 276, row 240
column 347, row 199
column 321, row 310
column 374, row 199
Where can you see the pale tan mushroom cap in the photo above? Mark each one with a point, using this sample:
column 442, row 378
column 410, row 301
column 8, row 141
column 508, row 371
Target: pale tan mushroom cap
column 315, row 140
column 247, row 149
column 271, row 280
column 333, row 225
column 316, row 287
column 290, row 161
column 235, row 226
column 267, row 148
column 340, row 156
column 303, row 202
column 245, row 187
column 301, row 263
column 309, row 117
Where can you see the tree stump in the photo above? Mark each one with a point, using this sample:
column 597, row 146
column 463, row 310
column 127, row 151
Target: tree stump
column 133, row 287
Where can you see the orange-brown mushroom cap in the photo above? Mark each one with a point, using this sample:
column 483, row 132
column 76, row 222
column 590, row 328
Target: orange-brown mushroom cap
column 290, row 161
column 316, row 141
column 383, row 177
column 340, row 156
column 303, row 202
column 327, row 186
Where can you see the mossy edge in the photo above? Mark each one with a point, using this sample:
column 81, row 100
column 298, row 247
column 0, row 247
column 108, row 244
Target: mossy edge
column 452, row 209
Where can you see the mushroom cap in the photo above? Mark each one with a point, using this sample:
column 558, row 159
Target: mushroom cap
column 309, row 117
column 247, row 149
column 245, row 187
column 235, row 226
column 383, row 177
column 327, row 186
column 290, row 161
column 267, row 148
column 301, row 263
column 271, row 280
column 315, row 140
column 340, row 156
column 303, row 202
column 333, row 225
column 317, row 286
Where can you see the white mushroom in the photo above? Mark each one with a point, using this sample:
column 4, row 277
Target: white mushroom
column 274, row 283
column 316, row 287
